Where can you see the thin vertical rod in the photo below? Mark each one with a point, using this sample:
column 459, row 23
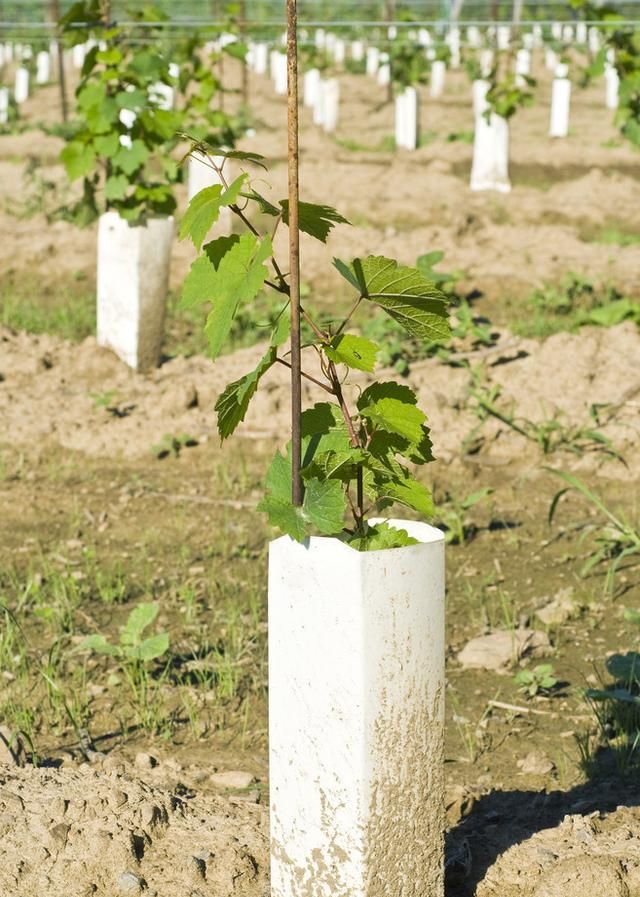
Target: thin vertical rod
column 62, row 78
column 294, row 248
column 242, row 28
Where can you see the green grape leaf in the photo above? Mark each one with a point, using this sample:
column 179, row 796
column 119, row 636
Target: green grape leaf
column 324, row 504
column 237, row 277
column 266, row 207
column 209, row 149
column 197, row 287
column 106, row 145
column 204, row 209
column 315, row 220
column 237, row 50
column 336, row 465
column 382, row 536
column 404, row 293
column 407, row 491
column 396, row 417
column 131, row 99
column 233, row 403
column 116, row 187
column 78, row 159
column 130, row 159
column 354, row 351
column 387, row 389
column 323, row 430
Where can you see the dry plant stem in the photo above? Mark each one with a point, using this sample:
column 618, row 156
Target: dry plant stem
column 294, row 250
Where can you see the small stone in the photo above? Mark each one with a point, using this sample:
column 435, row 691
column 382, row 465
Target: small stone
column 459, row 802
column 149, row 814
column 249, row 797
column 129, row 883
column 198, row 867
column 536, row 764
column 502, row 648
column 145, row 761
column 559, row 610
column 233, row 779
column 58, row 835
column 117, row 799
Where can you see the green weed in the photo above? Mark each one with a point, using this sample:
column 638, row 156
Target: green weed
column 615, row 539
column 571, row 304
column 541, row 679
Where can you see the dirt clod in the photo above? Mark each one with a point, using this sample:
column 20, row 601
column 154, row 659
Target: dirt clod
column 500, row 649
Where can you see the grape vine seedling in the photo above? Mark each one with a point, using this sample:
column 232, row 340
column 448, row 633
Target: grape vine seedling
column 358, row 445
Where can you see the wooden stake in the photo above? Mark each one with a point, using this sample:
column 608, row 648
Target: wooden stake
column 62, row 80
column 242, row 28
column 294, row 249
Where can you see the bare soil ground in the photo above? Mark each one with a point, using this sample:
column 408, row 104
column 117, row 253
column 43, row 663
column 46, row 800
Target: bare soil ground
column 93, row 522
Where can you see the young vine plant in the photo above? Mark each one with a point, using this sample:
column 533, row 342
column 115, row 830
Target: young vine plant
column 360, row 444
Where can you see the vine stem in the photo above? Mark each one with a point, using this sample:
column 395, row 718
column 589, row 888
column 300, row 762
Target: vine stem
column 294, row 250
column 350, row 315
column 307, row 376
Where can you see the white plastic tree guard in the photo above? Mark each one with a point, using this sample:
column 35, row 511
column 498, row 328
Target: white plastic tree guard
column 479, row 90
column 279, row 72
column 550, row 59
column 486, row 62
column 339, row 51
column 438, row 70
column 474, row 37
column 356, row 701
column 560, row 103
column 21, row 85
column 128, row 118
column 260, row 58
column 373, row 61
column 406, row 131
column 523, row 66
column 490, row 166
column 503, row 36
column 383, row 75
column 453, row 42
column 164, row 95
column 43, row 67
column 4, row 105
column 594, row 40
column 327, row 107
column 133, row 276
column 78, row 53
column 612, row 83
column 319, row 38
column 424, row 37
column 311, row 87
column 357, row 50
